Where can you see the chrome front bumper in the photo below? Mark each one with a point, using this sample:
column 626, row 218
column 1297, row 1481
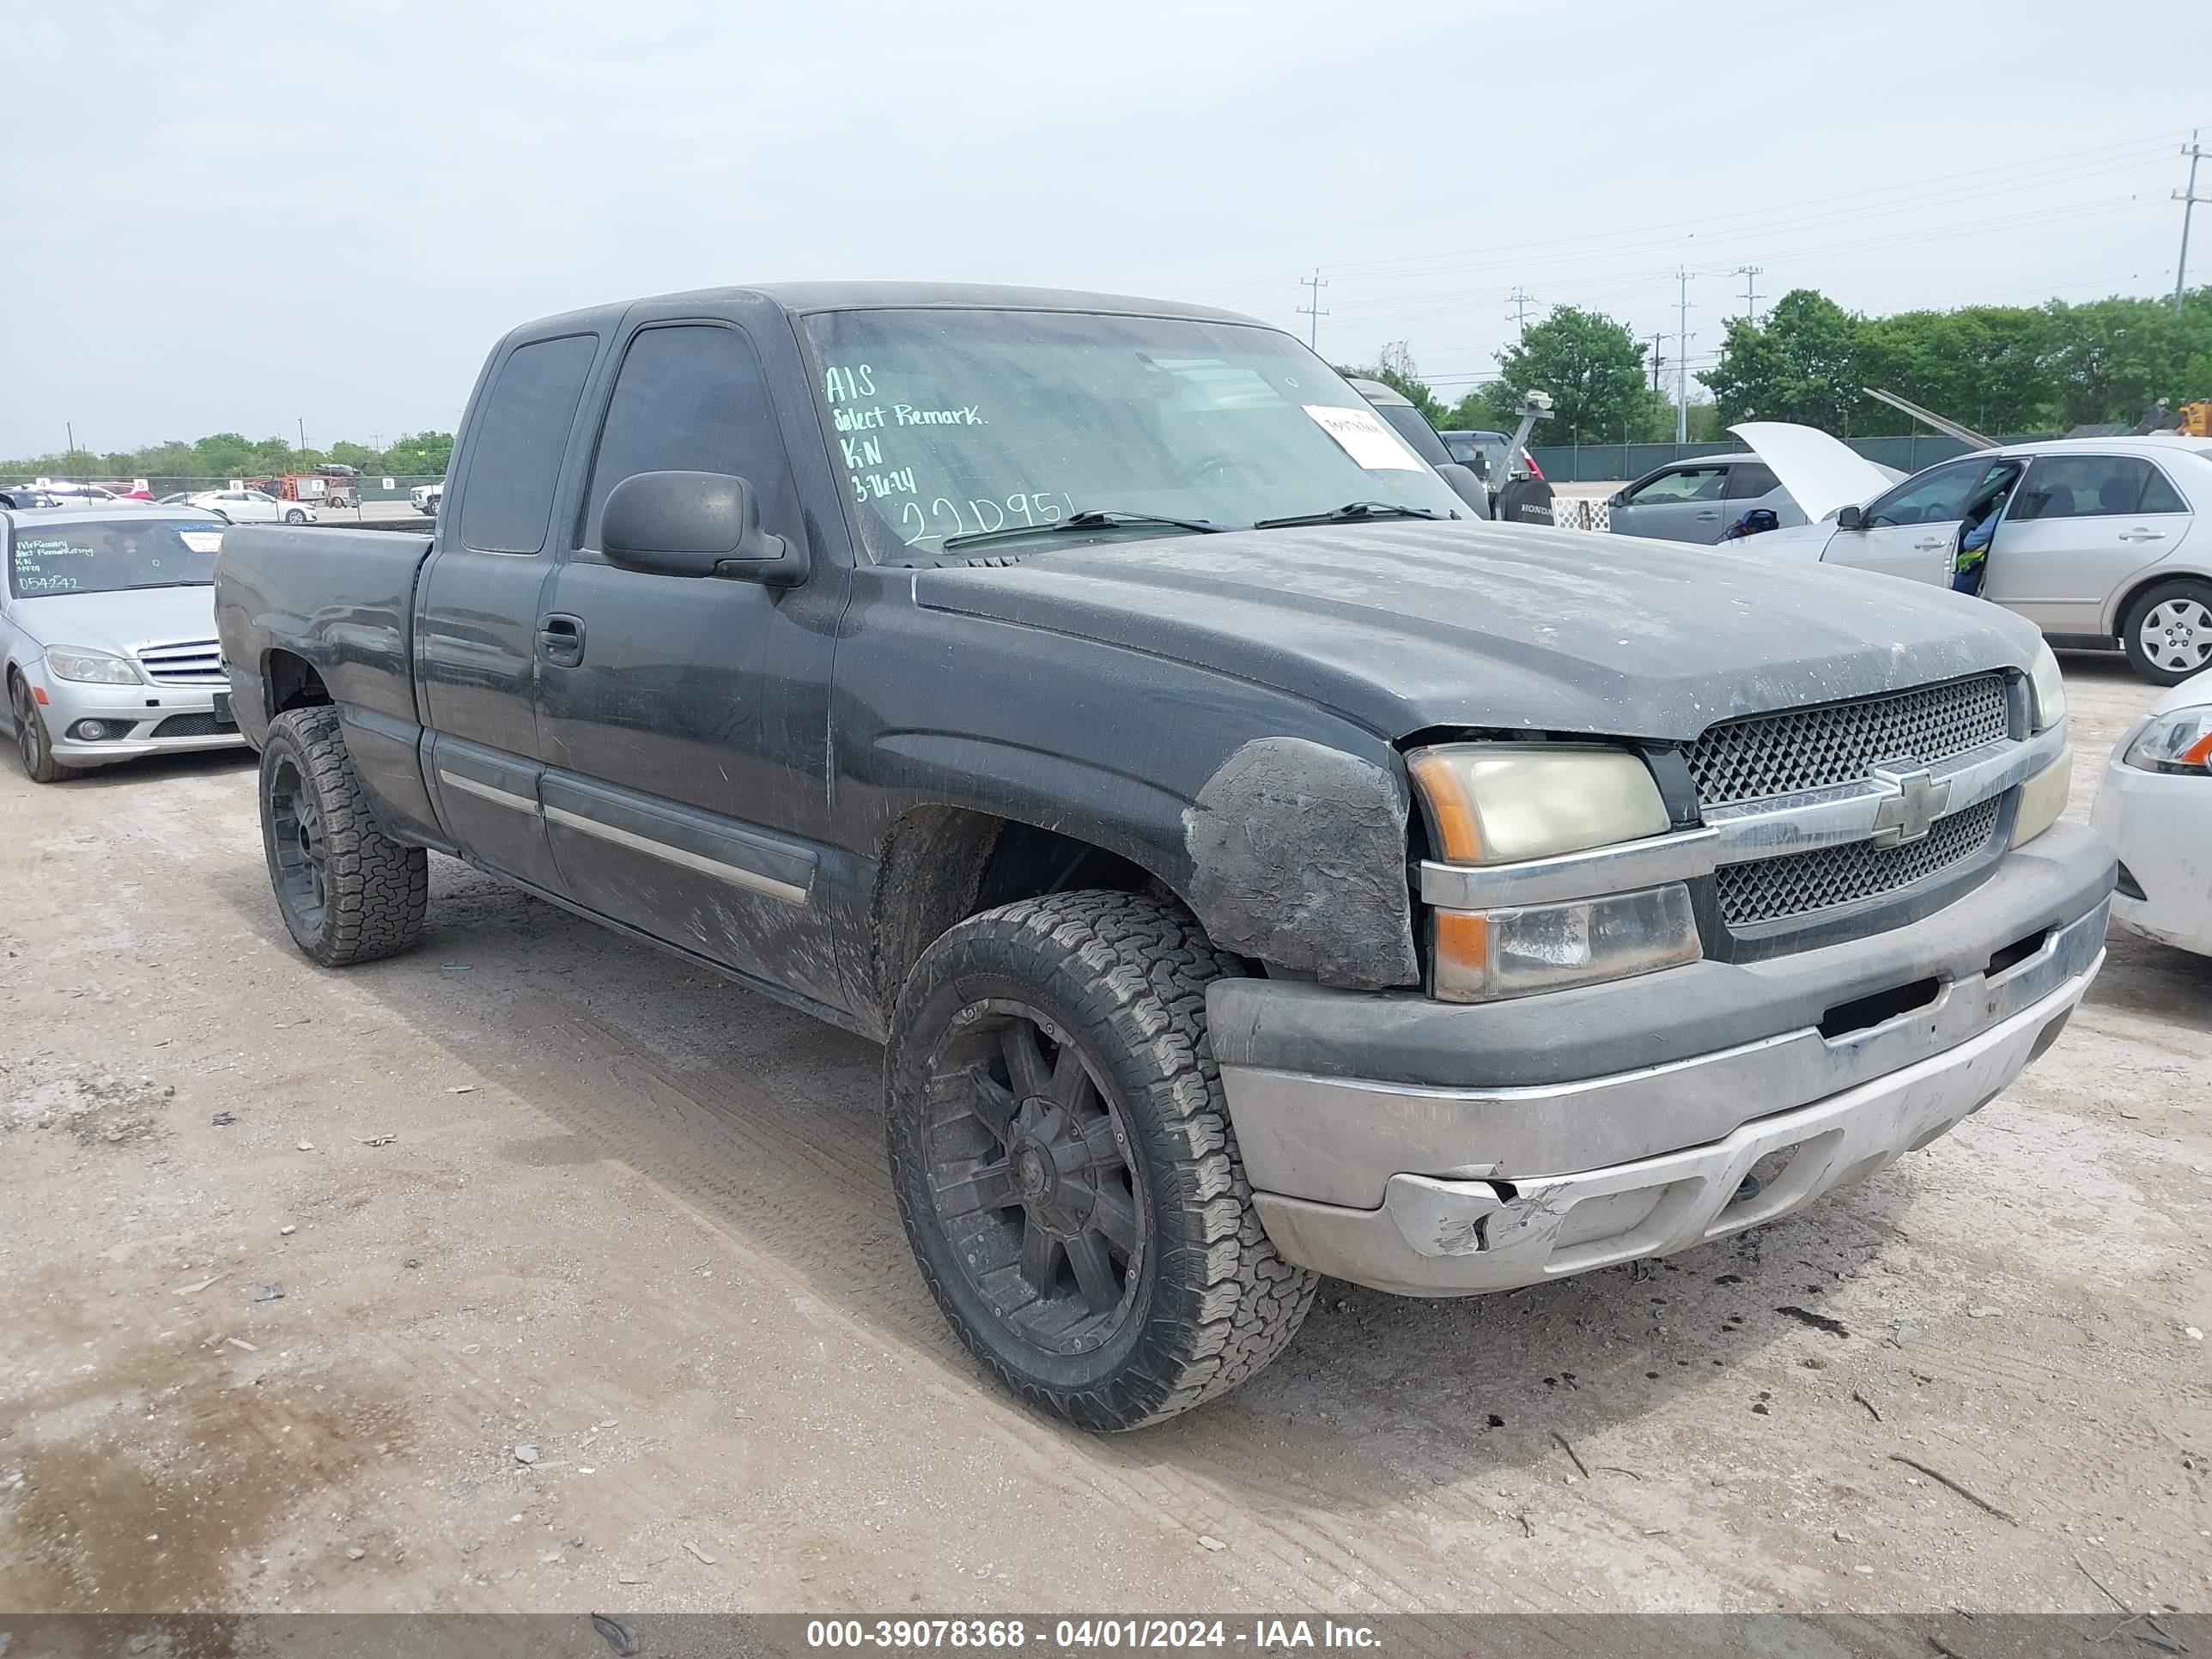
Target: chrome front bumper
column 1436, row 1149
column 1433, row 1236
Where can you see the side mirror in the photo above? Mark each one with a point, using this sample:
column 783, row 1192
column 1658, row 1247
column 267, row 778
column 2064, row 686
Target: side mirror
column 1468, row 488
column 1619, row 498
column 1851, row 518
column 695, row 524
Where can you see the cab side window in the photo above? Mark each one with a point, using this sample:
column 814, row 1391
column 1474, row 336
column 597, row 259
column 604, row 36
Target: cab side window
column 1936, row 496
column 515, row 451
column 692, row 397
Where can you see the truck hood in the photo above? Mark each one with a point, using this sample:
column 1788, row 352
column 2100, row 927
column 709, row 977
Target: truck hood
column 1413, row 625
column 119, row 622
column 1821, row 473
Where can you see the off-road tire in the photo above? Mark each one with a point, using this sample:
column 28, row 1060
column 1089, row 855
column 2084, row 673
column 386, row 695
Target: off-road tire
column 2182, row 591
column 34, row 745
column 1124, row 977
column 375, row 890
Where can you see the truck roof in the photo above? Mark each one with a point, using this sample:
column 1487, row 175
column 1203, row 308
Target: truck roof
column 801, row 298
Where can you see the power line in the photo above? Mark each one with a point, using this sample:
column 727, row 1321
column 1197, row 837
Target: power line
column 1314, row 313
column 2142, row 151
column 2190, row 198
column 1415, row 305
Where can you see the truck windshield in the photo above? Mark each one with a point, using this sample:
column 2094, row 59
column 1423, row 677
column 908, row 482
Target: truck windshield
column 105, row 555
column 951, row 422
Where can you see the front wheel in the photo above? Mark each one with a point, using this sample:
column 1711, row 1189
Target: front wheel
column 1065, row 1165
column 295, row 517
column 347, row 891
column 2167, row 632
column 33, row 746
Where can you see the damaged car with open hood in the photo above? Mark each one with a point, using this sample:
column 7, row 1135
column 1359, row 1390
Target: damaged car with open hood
column 1256, row 866
column 2091, row 539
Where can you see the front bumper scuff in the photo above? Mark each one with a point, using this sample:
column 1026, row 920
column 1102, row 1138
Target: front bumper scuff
column 1437, row 1150
column 1442, row 1237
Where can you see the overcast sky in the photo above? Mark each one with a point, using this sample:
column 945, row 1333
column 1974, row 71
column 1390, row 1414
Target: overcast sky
column 328, row 213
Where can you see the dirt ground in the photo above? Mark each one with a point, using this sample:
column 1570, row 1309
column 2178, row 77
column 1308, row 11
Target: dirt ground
column 535, row 1193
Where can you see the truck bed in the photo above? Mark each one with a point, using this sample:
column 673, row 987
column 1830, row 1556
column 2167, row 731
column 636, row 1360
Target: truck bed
column 335, row 603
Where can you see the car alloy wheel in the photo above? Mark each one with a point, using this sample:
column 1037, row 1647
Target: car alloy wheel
column 2177, row 635
column 28, row 742
column 302, row 855
column 1030, row 1166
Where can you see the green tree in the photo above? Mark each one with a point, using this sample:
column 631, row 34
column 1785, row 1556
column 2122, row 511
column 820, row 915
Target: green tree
column 1983, row 365
column 2112, row 359
column 1414, row 392
column 420, row 454
column 1593, row 367
column 1803, row 364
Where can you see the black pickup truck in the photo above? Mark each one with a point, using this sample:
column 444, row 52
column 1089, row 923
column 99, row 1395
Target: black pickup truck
column 1256, row 867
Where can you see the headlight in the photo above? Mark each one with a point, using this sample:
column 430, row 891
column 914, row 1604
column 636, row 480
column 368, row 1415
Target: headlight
column 1498, row 803
column 2050, row 688
column 91, row 667
column 2178, row 742
column 1483, row 955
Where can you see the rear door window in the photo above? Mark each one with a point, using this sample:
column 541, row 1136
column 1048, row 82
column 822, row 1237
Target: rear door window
column 2093, row 487
column 514, row 457
column 1749, row 480
column 691, row 398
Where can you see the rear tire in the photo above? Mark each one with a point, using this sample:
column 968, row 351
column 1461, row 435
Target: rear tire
column 34, row 748
column 1065, row 1165
column 347, row 891
column 2167, row 631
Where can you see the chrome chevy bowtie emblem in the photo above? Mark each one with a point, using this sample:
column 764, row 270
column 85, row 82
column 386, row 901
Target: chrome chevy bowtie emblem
column 1917, row 799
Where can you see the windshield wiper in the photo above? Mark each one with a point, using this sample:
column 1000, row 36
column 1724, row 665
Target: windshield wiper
column 134, row 588
column 1354, row 512
column 1091, row 517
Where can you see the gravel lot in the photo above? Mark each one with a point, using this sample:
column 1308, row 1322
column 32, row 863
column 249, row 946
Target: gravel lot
column 593, row 1295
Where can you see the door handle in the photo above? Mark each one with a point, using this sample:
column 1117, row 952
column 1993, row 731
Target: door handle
column 2142, row 535
column 1930, row 546
column 560, row 639
column 1702, row 516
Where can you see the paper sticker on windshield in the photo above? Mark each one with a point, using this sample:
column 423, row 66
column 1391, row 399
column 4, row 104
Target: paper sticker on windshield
column 1363, row 437
column 201, row 541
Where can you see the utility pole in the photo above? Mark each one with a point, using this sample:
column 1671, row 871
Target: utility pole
column 1751, row 274
column 303, row 433
column 1682, row 337
column 69, row 427
column 1314, row 312
column 2188, row 198
column 1658, row 357
column 1521, row 300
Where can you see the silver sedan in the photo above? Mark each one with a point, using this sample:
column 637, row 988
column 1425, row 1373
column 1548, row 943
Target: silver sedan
column 108, row 636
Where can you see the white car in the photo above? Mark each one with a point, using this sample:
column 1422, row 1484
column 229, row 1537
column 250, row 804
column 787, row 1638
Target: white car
column 2093, row 539
column 2155, row 806
column 427, row 498
column 252, row 506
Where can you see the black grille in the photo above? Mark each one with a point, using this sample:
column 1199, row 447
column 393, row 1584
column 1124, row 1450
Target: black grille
column 1774, row 890
column 191, row 725
column 1799, row 748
